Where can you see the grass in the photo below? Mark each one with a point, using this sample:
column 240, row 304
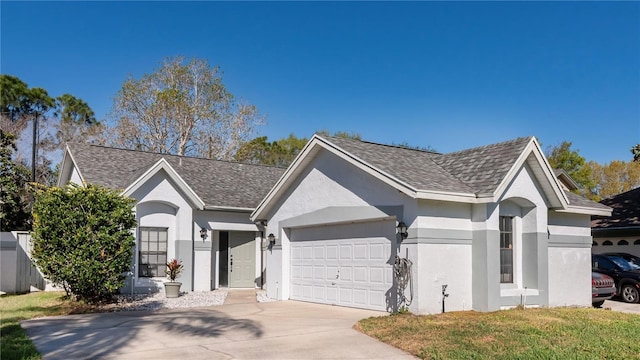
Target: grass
column 559, row 333
column 14, row 342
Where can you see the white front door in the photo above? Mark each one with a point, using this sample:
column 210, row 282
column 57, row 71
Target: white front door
column 242, row 260
column 347, row 265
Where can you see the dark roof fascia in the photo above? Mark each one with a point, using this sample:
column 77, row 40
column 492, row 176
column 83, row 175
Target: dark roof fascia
column 616, row 232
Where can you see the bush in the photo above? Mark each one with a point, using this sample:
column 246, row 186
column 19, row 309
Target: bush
column 82, row 239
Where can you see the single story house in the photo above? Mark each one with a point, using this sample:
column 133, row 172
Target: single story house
column 375, row 226
column 196, row 210
column 621, row 231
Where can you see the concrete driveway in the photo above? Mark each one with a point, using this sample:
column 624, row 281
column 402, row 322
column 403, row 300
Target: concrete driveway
column 276, row 330
column 619, row 305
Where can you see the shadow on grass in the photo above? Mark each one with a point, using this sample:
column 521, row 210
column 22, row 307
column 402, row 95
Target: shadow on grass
column 101, row 334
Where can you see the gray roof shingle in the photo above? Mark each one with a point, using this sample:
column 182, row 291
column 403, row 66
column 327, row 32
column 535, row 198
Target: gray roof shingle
column 217, row 183
column 478, row 170
column 626, row 212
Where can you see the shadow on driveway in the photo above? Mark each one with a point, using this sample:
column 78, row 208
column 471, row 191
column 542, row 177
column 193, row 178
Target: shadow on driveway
column 104, row 334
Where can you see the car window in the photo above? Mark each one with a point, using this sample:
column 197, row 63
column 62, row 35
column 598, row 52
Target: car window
column 601, row 262
column 622, row 263
column 634, row 261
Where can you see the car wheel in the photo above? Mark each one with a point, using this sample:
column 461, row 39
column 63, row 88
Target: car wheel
column 630, row 293
column 597, row 304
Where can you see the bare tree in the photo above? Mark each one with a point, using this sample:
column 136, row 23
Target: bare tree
column 181, row 108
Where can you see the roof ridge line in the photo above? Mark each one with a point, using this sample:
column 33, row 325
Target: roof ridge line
column 172, row 155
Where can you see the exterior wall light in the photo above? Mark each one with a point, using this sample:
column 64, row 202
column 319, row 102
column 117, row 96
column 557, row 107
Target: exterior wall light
column 402, row 230
column 272, row 239
column 203, row 233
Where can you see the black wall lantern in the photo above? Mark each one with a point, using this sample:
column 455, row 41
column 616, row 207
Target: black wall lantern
column 402, row 230
column 203, row 233
column 272, row 239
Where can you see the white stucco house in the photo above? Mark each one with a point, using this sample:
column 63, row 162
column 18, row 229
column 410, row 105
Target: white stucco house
column 491, row 223
column 196, row 210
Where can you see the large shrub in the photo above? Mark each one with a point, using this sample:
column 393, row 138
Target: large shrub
column 82, row 239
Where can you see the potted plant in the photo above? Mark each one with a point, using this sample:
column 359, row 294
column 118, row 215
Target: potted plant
column 172, row 288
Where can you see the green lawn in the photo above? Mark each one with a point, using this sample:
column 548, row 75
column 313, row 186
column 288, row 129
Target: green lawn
column 14, row 343
column 560, row 333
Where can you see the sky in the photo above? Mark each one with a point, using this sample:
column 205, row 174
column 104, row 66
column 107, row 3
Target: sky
column 445, row 75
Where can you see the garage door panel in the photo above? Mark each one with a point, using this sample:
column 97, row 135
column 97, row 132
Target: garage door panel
column 351, row 269
column 332, row 252
column 360, row 297
column 307, row 292
column 376, row 275
column 319, row 293
column 360, row 274
column 345, row 252
column 319, row 273
column 345, row 273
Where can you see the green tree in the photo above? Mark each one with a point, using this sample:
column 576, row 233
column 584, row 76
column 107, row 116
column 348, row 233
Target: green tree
column 57, row 120
column 636, row 152
column 14, row 177
column 278, row 153
column 82, row 239
column 564, row 157
column 182, row 108
column 613, row 178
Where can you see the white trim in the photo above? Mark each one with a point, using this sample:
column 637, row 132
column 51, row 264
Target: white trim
column 162, row 164
column 584, row 210
column 228, row 208
column 74, row 165
column 534, row 148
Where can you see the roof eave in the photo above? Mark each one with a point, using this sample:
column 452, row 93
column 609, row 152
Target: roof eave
column 228, row 208
column 585, row 210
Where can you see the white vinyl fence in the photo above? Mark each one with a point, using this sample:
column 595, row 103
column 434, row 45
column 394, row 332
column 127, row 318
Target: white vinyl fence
column 17, row 272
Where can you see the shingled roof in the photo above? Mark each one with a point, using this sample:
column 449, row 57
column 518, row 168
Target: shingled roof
column 217, row 183
column 478, row 170
column 625, row 215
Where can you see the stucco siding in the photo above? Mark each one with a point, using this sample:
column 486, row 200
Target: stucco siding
column 327, row 181
column 569, row 276
column 75, row 176
column 442, row 264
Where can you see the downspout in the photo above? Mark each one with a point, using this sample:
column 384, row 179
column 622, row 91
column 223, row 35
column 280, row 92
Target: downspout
column 193, row 251
column 262, row 250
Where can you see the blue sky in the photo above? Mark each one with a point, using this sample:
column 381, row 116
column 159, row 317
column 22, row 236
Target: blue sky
column 449, row 75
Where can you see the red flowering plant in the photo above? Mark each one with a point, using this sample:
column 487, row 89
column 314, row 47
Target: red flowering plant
column 174, row 268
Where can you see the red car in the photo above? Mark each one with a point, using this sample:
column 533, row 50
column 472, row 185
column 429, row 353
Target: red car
column 602, row 288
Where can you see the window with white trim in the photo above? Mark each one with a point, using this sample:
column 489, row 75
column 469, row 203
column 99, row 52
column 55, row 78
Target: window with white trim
column 506, row 249
column 152, row 251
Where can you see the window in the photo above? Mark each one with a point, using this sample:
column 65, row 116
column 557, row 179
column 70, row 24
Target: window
column 594, row 243
column 601, row 262
column 637, row 242
column 623, row 242
column 607, row 243
column 506, row 249
column 152, row 254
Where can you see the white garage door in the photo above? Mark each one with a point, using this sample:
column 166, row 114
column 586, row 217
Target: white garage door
column 347, row 265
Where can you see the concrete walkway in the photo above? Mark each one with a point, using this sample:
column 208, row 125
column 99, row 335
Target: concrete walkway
column 240, row 329
column 240, row 296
